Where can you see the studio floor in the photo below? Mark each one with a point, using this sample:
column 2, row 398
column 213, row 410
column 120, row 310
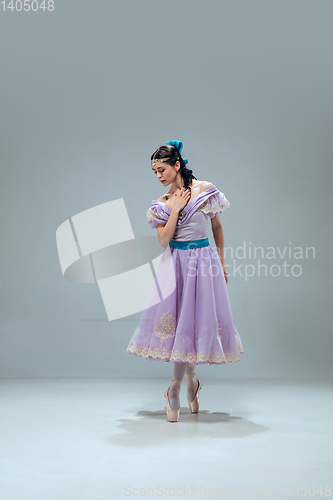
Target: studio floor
column 103, row 439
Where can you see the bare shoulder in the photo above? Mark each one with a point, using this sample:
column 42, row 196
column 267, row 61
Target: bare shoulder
column 205, row 185
column 201, row 185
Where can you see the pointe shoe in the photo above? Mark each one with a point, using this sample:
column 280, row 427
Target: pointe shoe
column 194, row 405
column 173, row 415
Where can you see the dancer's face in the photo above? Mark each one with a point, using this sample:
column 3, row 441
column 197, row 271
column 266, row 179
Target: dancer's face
column 165, row 172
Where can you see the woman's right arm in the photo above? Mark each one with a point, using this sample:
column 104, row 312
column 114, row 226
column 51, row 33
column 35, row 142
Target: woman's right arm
column 166, row 231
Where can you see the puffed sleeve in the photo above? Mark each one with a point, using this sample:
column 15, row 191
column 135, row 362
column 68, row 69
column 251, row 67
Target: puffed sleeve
column 154, row 217
column 216, row 203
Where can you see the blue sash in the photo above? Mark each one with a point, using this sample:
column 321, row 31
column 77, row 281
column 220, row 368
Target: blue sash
column 184, row 245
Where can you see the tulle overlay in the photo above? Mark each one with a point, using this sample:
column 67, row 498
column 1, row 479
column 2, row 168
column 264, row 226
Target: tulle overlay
column 193, row 324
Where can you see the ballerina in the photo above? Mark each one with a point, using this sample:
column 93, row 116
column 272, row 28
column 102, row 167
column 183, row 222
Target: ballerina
column 194, row 324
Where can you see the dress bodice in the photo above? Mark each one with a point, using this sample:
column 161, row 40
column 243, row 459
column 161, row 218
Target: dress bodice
column 195, row 228
column 193, row 220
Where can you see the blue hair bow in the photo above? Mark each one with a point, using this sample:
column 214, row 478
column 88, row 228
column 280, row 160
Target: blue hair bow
column 179, row 146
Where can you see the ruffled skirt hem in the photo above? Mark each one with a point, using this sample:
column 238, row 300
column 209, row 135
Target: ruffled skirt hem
column 191, row 358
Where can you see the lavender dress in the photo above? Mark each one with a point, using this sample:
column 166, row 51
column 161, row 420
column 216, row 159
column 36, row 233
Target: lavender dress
column 194, row 323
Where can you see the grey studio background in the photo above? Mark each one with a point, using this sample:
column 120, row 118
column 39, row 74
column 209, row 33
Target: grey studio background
column 88, row 92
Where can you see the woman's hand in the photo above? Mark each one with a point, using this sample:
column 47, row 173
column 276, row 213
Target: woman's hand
column 182, row 199
column 225, row 270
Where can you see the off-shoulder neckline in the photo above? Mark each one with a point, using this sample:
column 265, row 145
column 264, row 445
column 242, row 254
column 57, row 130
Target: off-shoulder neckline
column 203, row 192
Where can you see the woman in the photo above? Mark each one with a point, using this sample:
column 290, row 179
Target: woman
column 194, row 323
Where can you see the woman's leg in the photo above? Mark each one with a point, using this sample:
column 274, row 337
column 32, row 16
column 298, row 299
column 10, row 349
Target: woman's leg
column 191, row 382
column 178, row 375
column 190, row 369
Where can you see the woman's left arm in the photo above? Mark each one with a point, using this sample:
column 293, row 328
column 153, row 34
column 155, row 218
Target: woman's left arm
column 219, row 241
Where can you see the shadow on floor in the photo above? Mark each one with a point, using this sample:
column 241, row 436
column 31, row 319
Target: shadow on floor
column 153, row 427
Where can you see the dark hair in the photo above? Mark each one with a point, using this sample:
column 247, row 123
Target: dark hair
column 169, row 151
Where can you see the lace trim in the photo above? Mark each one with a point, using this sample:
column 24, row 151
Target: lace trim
column 206, row 208
column 152, row 213
column 218, row 207
column 166, row 328
column 191, row 357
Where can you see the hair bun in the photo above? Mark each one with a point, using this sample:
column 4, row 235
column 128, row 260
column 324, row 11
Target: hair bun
column 177, row 144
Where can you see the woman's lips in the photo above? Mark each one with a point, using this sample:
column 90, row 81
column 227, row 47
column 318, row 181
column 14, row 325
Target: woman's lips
column 162, row 181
